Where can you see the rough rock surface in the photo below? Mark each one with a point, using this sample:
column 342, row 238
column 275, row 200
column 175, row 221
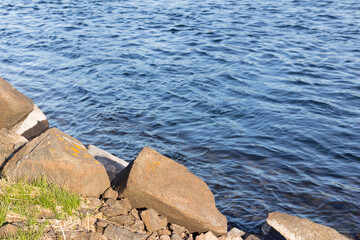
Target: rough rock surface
column 155, row 181
column 119, row 233
column 63, row 160
column 33, row 125
column 112, row 164
column 9, row 143
column 14, row 106
column 153, row 221
column 295, row 228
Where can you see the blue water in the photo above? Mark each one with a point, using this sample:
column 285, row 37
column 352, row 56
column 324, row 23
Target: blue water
column 259, row 98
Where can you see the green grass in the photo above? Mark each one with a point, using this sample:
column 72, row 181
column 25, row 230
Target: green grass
column 25, row 198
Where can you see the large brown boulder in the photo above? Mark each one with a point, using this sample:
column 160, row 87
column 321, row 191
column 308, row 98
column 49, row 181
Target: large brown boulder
column 9, row 143
column 295, row 228
column 155, row 181
column 63, row 160
column 14, row 106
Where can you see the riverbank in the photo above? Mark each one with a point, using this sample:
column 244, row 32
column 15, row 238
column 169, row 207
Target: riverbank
column 152, row 197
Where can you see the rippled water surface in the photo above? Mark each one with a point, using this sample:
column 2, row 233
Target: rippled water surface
column 259, row 98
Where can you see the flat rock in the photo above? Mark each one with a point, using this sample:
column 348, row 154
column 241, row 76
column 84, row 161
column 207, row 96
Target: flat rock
column 153, row 221
column 155, row 181
column 9, row 143
column 33, row 125
column 119, row 233
column 63, row 160
column 112, row 164
column 122, row 220
column 14, row 106
column 295, row 228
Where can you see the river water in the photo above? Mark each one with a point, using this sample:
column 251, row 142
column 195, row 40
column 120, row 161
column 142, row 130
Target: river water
column 260, row 98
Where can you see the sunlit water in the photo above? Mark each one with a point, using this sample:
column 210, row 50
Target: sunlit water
column 261, row 99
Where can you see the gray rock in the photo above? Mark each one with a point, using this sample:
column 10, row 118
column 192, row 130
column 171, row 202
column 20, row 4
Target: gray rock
column 119, row 233
column 295, row 228
column 33, row 125
column 153, row 221
column 155, row 181
column 234, row 234
column 112, row 164
column 10, row 142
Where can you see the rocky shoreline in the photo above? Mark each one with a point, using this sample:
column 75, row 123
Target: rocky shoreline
column 152, row 197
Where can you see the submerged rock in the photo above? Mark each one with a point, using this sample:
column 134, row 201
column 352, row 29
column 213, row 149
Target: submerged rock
column 14, row 106
column 63, row 160
column 295, row 228
column 155, row 181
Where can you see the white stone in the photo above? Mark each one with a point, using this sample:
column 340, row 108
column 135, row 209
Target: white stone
column 234, row 234
column 112, row 164
column 210, row 236
column 33, row 119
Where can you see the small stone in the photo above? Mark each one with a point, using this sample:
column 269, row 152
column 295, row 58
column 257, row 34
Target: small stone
column 164, row 232
column 153, row 221
column 119, row 233
column 135, row 213
column 234, row 234
column 112, row 211
column 110, row 202
column 164, row 237
column 88, row 223
column 138, row 226
column 8, row 230
column 94, row 202
column 125, row 203
column 252, row 237
column 110, row 194
column 122, row 220
column 153, row 236
column 210, row 236
column 100, row 225
column 174, row 236
column 178, row 229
